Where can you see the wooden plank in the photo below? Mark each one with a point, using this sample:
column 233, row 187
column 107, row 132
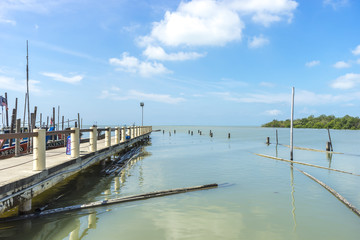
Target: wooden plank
column 59, row 132
column 17, row 135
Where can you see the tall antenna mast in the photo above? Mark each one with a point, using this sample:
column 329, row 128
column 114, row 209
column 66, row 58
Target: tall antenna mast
column 27, row 84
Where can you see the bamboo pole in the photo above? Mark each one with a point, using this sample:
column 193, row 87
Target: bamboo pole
column 291, row 125
column 113, row 201
column 7, row 110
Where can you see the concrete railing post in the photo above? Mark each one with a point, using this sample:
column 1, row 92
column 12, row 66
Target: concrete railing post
column 108, row 137
column 123, row 132
column 75, row 143
column 93, row 139
column 39, row 151
column 130, row 132
column 117, row 135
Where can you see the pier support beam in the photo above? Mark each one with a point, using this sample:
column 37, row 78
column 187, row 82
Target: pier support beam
column 75, row 143
column 117, row 135
column 123, row 132
column 39, row 156
column 93, row 139
column 108, row 137
column 25, row 207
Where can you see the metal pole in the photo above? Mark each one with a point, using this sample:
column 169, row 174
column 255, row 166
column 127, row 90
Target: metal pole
column 291, row 124
column 27, row 85
column 142, row 113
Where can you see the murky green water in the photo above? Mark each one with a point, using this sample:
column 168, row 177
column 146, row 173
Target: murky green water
column 267, row 199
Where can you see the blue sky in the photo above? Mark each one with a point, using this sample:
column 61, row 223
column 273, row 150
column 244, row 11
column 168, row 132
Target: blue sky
column 202, row 62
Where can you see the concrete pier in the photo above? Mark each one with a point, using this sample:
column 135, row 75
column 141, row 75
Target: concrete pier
column 25, row 177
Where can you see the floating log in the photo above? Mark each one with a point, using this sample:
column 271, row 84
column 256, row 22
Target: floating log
column 111, row 201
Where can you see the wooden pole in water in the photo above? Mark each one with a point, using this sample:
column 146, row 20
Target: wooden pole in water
column 53, row 118
column 27, row 86
column 7, row 110
column 17, row 141
column 24, row 110
column 277, row 140
column 58, row 125
column 331, row 148
column 291, row 125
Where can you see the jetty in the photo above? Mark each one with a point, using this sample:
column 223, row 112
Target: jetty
column 26, row 176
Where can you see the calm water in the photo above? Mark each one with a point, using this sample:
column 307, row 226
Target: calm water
column 267, row 199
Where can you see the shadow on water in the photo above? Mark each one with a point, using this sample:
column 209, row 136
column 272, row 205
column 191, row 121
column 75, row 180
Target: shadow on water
column 90, row 185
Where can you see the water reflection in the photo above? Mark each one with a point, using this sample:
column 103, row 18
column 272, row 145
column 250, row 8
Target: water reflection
column 293, row 195
column 329, row 158
column 90, row 185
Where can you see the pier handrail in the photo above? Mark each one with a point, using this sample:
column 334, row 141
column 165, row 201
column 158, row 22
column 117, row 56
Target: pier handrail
column 18, row 135
column 59, row 132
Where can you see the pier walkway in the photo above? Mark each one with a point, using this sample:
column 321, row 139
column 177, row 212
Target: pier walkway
column 24, row 177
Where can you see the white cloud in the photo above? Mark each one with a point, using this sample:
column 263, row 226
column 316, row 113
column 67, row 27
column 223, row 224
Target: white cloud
column 342, row 64
column 267, row 84
column 215, row 22
column 256, row 42
column 158, row 53
column 132, row 64
column 346, row 81
column 335, row 3
column 117, row 94
column 9, row 83
column 302, row 97
column 265, row 12
column 198, row 23
column 312, row 63
column 273, row 112
column 7, row 21
column 356, row 51
column 358, row 61
column 61, row 78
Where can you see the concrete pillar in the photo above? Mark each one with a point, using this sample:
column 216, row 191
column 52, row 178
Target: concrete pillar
column 117, row 135
column 123, row 132
column 108, row 137
column 75, row 143
column 39, row 150
column 130, row 132
column 93, row 139
column 25, row 207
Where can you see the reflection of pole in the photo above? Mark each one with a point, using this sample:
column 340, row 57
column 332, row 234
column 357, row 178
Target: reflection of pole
column 292, row 195
column 291, row 124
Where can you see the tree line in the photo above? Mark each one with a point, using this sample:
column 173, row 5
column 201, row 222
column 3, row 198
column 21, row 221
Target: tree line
column 323, row 121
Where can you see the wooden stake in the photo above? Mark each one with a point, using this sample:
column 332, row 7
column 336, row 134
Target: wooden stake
column 291, row 125
column 7, row 110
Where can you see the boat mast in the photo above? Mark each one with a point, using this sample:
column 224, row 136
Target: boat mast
column 27, row 85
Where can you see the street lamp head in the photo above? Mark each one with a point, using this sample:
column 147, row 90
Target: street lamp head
column 141, row 104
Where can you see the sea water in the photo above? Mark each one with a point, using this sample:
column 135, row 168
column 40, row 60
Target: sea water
column 258, row 198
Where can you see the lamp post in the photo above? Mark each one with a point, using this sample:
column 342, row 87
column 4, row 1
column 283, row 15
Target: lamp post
column 142, row 113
